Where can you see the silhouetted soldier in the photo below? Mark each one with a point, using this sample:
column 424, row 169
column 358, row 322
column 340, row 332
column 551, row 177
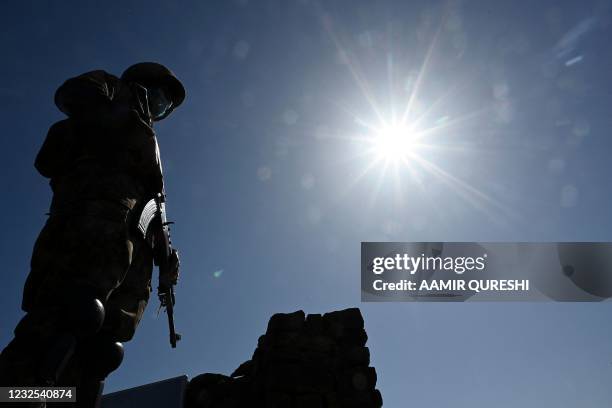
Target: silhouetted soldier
column 90, row 276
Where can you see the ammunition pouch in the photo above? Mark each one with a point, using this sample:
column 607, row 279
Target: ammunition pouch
column 138, row 220
column 106, row 209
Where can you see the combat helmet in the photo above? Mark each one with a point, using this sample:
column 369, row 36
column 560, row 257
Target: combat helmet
column 152, row 74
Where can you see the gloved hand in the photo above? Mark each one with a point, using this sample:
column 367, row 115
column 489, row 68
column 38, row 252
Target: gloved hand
column 174, row 264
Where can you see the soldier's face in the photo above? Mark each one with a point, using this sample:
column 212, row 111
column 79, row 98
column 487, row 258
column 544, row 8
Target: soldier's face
column 159, row 102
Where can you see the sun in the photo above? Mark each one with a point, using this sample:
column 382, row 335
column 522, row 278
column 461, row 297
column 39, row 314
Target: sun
column 394, row 143
column 399, row 145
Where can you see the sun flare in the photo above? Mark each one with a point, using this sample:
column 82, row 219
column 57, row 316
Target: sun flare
column 409, row 142
column 394, row 143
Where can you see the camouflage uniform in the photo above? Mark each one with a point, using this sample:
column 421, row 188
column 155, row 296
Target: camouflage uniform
column 103, row 165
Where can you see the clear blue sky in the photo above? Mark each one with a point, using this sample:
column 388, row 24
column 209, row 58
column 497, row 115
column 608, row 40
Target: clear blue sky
column 262, row 166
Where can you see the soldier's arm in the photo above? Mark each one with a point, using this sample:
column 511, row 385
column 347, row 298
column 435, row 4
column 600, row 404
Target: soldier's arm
column 57, row 151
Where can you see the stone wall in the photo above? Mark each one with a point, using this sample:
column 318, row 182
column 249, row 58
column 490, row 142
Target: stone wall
column 302, row 361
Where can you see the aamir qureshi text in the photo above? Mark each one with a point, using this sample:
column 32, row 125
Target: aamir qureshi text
column 475, row 285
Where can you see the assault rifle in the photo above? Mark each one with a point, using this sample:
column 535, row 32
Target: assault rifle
column 155, row 228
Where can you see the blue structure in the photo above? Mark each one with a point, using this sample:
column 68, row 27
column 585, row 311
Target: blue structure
column 166, row 393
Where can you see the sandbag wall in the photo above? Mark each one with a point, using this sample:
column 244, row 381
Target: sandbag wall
column 314, row 361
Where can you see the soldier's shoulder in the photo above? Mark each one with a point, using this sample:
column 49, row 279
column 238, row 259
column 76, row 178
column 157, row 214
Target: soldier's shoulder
column 98, row 75
column 90, row 86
